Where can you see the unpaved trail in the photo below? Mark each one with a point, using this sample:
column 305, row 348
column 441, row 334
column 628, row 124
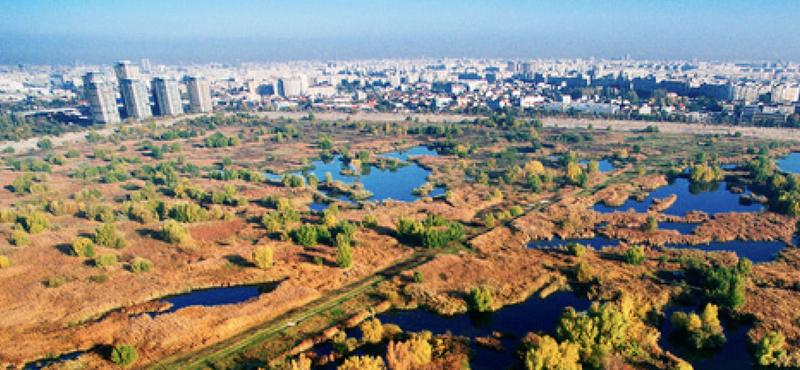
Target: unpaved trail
column 770, row 133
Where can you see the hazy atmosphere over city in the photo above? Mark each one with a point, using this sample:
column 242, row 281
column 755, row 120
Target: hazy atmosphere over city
column 91, row 31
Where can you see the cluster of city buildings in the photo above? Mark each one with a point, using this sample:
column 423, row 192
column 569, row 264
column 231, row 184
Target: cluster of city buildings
column 101, row 95
column 696, row 90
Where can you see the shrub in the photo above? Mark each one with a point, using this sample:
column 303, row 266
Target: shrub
column 515, row 211
column 188, row 212
column 262, row 257
column 56, row 281
column 480, row 299
column 344, row 254
column 700, row 331
column 19, row 238
column 83, row 247
column 107, row 235
column 4, row 262
column 35, row 222
column 770, row 349
column 124, row 355
column 141, row 265
column 370, row 221
column 62, row 207
column 362, row 363
column 372, row 331
column 174, row 232
column 8, row 216
column 421, row 351
column 651, row 224
column 635, row 256
column 418, row 277
column 584, row 272
column 305, row 235
column 546, row 353
column 575, row 249
column 106, row 260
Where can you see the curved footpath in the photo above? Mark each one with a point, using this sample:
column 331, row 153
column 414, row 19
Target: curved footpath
column 770, row 133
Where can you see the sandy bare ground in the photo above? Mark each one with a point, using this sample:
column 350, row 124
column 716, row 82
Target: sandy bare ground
column 669, row 127
column 770, row 133
column 75, row 137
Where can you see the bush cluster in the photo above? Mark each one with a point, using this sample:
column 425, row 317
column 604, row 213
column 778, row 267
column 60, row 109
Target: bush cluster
column 434, row 232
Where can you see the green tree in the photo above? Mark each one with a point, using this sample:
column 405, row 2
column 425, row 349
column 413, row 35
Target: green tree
column 593, row 167
column 124, row 355
column 262, row 257
column 418, row 277
column 575, row 249
column 305, row 235
column 35, row 222
column 370, row 221
column 584, row 273
column 107, row 235
column 174, row 232
column 651, row 224
column 372, row 331
column 83, row 247
column 480, row 299
column 635, row 256
column 770, row 349
column 106, row 260
column 344, row 254
column 19, row 237
column 139, row 265
column 546, row 354
column 45, row 144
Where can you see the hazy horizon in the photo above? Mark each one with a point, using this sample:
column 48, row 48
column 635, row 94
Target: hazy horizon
column 94, row 31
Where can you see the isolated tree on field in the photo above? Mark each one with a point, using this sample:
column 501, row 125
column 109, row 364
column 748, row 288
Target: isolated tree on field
column 262, row 257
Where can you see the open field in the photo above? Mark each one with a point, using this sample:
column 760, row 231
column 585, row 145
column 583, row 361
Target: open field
column 190, row 200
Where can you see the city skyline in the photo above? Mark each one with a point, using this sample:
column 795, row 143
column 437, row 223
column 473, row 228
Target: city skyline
column 45, row 32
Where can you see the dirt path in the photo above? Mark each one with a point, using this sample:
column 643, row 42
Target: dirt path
column 669, row 127
column 770, row 133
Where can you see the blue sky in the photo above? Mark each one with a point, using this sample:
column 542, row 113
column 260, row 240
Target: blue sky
column 63, row 31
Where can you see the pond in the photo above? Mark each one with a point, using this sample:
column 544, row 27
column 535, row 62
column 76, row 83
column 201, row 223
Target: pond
column 732, row 356
column 533, row 315
column 396, row 184
column 755, row 251
column 214, row 297
column 711, row 199
column 413, row 152
column 603, row 166
column 790, row 164
column 515, row 322
column 596, row 243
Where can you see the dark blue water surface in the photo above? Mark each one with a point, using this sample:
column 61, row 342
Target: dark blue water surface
column 413, row 152
column 596, row 243
column 532, row 315
column 213, row 297
column 396, row 184
column 712, row 201
column 36, row 365
column 683, row 228
column 790, row 164
column 754, row 251
column 733, row 355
